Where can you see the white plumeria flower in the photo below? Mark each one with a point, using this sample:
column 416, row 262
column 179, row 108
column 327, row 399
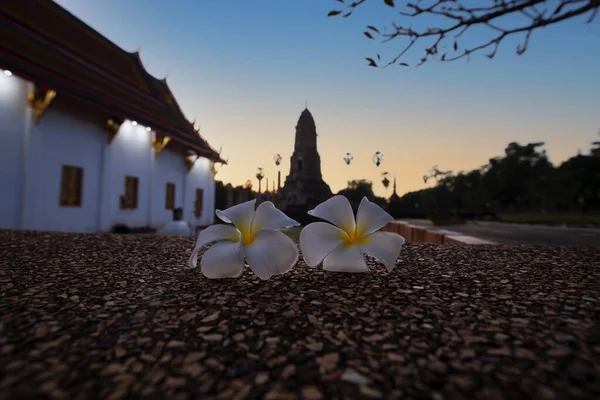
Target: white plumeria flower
column 253, row 236
column 341, row 246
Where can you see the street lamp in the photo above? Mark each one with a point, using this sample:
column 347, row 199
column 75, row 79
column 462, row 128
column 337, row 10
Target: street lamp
column 277, row 159
column 260, row 175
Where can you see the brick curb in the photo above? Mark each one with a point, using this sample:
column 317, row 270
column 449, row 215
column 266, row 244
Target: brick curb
column 419, row 234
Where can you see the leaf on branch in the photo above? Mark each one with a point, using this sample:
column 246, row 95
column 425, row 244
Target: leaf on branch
column 389, row 2
column 333, row 13
column 373, row 28
column 349, row 13
column 378, row 57
column 455, row 45
column 367, row 34
column 372, row 62
column 403, row 64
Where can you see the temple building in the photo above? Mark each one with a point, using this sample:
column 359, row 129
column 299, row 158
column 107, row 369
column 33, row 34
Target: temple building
column 304, row 187
column 394, row 203
column 89, row 139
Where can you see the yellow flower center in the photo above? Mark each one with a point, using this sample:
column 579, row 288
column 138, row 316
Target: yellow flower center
column 248, row 235
column 355, row 237
column 247, row 240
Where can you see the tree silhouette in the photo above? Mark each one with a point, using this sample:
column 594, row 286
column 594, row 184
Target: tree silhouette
column 456, row 19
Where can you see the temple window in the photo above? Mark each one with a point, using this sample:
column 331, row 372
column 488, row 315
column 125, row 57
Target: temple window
column 130, row 199
column 170, row 200
column 71, row 186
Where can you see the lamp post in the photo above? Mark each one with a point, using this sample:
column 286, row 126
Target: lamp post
column 260, row 175
column 277, row 159
column 378, row 158
column 385, row 180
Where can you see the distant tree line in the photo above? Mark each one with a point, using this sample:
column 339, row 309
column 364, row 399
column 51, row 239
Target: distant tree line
column 521, row 181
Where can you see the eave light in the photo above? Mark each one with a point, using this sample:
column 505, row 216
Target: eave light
column 148, row 129
column 7, row 72
column 134, row 123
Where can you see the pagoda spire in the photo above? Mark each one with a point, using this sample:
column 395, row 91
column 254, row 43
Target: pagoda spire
column 395, row 185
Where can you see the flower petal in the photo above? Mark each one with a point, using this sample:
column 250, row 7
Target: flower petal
column 338, row 211
column 271, row 253
column 345, row 259
column 370, row 218
column 318, row 240
column 385, row 246
column 267, row 216
column 212, row 234
column 239, row 215
column 223, row 260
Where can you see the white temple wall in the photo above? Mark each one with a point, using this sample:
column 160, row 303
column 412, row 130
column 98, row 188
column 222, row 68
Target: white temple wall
column 67, row 134
column 169, row 167
column 14, row 122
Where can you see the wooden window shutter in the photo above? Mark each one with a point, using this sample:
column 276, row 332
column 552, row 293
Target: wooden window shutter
column 64, row 185
column 135, row 193
column 78, row 187
column 130, row 199
column 170, row 197
column 71, row 186
column 199, row 203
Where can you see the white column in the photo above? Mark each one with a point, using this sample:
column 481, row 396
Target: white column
column 28, row 115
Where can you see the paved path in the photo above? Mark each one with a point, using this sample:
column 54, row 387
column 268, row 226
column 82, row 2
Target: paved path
column 504, row 233
column 86, row 316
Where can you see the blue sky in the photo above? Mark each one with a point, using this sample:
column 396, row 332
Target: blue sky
column 243, row 70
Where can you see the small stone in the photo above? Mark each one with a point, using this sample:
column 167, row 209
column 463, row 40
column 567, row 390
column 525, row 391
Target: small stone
column 175, row 343
column 502, row 351
column 175, row 382
column 395, row 357
column 315, row 346
column 351, row 375
column 559, row 352
column 524, row 353
column 112, row 368
column 215, row 337
column 261, row 378
column 288, row 371
column 370, row 392
column 120, row 352
column 311, row 393
column 193, row 357
column 211, row 317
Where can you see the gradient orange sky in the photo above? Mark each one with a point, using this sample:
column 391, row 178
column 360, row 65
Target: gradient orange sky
column 244, row 71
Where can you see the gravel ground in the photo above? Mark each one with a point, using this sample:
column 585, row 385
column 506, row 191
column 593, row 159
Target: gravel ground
column 107, row 316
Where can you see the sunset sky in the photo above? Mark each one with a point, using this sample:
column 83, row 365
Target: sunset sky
column 243, row 70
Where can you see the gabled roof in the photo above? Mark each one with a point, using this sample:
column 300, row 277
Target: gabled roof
column 44, row 43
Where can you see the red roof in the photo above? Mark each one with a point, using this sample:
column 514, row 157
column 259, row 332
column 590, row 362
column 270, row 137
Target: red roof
column 44, row 43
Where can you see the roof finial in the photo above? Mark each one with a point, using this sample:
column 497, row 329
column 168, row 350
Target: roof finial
column 306, row 104
column 394, row 184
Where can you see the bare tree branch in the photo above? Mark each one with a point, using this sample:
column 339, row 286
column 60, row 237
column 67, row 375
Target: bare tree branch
column 537, row 14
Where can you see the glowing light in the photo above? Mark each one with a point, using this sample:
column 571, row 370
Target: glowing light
column 134, row 123
column 148, row 129
column 7, row 73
